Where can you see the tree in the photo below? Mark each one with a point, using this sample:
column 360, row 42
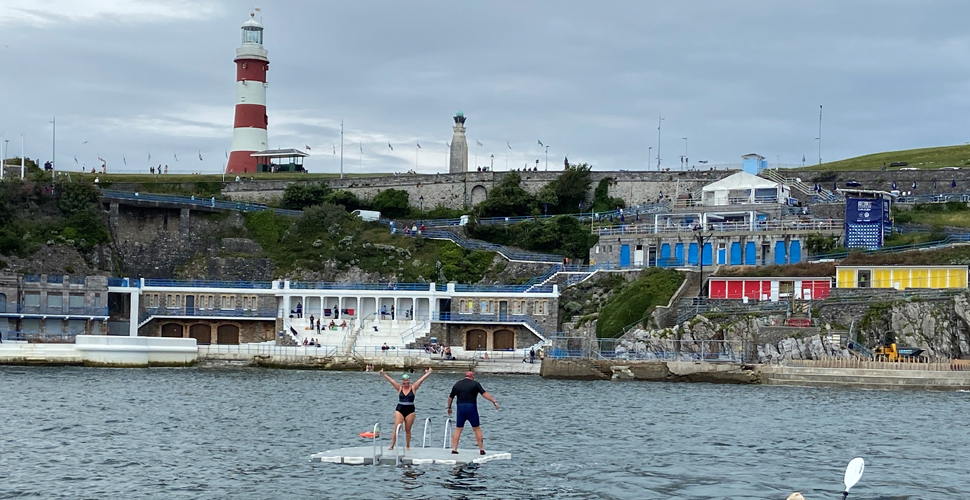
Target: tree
column 602, row 201
column 572, row 188
column 507, row 199
column 323, row 218
column 392, row 203
column 348, row 200
column 299, row 196
column 76, row 196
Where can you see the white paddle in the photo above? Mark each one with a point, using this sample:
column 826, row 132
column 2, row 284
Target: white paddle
column 853, row 473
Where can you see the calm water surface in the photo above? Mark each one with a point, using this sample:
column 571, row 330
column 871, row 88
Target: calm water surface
column 248, row 434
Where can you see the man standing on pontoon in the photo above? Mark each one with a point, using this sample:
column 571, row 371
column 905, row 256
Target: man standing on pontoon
column 467, row 391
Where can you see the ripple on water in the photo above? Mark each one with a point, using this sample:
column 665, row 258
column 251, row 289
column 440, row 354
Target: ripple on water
column 248, row 434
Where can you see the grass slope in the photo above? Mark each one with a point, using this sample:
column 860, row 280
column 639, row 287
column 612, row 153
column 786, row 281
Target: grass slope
column 924, row 158
column 636, row 300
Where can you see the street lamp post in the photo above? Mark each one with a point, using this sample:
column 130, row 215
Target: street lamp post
column 700, row 236
column 421, row 200
column 53, row 146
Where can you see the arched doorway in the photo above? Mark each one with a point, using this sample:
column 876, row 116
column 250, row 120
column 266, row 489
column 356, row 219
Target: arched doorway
column 228, row 334
column 476, row 340
column 503, row 340
column 171, row 330
column 479, row 193
column 201, row 333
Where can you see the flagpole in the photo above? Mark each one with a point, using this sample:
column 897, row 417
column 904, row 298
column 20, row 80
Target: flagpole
column 361, row 165
column 547, row 158
column 416, row 148
column 53, row 146
column 341, row 148
column 22, row 164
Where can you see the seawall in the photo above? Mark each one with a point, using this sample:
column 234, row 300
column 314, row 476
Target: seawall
column 842, row 374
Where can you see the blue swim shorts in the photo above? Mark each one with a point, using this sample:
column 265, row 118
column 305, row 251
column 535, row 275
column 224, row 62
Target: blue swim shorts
column 467, row 412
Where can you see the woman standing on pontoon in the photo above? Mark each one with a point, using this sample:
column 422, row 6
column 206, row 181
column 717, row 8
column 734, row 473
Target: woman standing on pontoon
column 404, row 413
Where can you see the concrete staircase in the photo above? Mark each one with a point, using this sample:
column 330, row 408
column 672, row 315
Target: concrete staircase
column 861, row 378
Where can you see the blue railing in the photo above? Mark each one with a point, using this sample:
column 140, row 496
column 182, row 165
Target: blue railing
column 323, row 285
column 452, row 317
column 197, row 312
column 44, row 310
column 505, row 251
column 261, row 285
column 952, row 238
column 191, row 201
column 32, row 278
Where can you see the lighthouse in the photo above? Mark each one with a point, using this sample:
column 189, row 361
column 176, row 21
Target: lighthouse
column 249, row 126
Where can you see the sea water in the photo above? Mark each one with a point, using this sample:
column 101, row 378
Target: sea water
column 249, row 433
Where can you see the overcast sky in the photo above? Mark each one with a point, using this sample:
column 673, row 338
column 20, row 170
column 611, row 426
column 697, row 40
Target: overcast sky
column 129, row 78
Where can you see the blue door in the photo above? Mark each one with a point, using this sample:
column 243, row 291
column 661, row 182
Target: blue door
column 780, row 254
column 692, row 254
column 721, row 256
column 664, row 255
column 708, row 255
column 750, row 255
column 795, row 252
column 736, row 253
column 625, row 256
column 679, row 254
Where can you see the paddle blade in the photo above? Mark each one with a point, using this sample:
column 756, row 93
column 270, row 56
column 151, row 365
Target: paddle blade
column 854, row 472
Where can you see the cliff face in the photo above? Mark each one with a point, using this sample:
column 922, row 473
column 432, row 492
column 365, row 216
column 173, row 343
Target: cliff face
column 169, row 243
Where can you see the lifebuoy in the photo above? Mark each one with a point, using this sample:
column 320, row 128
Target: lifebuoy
column 369, row 434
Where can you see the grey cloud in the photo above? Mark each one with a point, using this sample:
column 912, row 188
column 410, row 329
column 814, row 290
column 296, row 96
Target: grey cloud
column 587, row 78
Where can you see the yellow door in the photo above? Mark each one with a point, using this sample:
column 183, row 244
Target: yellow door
column 957, row 278
column 899, row 277
column 882, row 278
column 846, row 278
column 919, row 278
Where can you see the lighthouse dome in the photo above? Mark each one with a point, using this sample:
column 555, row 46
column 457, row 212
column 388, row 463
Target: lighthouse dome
column 252, row 31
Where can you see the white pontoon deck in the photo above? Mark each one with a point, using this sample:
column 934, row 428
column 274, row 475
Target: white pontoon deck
column 377, row 454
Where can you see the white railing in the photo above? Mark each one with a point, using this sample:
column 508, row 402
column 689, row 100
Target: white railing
column 267, row 350
column 758, row 226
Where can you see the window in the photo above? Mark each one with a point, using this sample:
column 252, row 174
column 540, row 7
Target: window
column 465, row 306
column 32, row 299
column 55, row 301
column 483, row 307
column 516, row 307
column 97, row 300
column 540, row 307
column 76, row 301
column 228, row 302
column 597, row 249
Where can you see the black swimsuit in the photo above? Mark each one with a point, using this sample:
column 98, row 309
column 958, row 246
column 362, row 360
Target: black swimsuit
column 405, row 404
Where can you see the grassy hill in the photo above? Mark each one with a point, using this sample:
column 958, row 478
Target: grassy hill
column 925, row 158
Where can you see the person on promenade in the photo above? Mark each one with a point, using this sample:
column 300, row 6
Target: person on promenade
column 404, row 413
column 467, row 391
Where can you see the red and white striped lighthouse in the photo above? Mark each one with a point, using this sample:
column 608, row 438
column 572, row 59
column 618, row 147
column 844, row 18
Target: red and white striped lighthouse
column 249, row 126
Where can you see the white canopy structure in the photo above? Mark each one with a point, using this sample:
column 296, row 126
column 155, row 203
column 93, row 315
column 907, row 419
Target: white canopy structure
column 743, row 188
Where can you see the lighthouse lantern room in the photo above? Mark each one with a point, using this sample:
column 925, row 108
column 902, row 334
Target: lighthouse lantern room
column 249, row 127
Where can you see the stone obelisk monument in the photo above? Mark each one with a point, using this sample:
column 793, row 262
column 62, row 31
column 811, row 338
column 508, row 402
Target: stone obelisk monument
column 459, row 147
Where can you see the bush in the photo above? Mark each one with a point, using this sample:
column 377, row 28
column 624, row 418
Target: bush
column 392, row 203
column 298, row 196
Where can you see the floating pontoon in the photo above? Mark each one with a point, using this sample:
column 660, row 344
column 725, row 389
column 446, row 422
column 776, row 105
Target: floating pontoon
column 377, row 454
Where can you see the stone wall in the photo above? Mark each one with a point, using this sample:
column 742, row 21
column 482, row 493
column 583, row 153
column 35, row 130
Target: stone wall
column 166, row 243
column 249, row 331
column 468, row 189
